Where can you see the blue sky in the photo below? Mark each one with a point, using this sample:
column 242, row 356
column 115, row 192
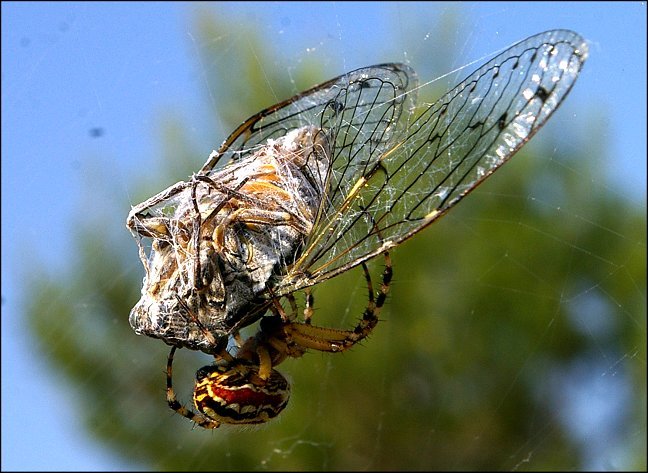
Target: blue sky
column 70, row 68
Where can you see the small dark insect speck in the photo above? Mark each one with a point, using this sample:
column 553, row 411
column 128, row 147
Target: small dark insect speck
column 96, row 132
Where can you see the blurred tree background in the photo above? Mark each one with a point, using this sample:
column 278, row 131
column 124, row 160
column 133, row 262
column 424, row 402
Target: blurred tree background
column 507, row 319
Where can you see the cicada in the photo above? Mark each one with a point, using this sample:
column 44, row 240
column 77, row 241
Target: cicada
column 312, row 187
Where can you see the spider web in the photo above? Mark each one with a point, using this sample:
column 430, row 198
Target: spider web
column 468, row 336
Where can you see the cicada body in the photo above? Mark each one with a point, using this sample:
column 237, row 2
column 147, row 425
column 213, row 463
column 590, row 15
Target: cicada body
column 220, row 239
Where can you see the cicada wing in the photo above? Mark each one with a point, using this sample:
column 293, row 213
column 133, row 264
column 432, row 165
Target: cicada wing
column 368, row 98
column 451, row 147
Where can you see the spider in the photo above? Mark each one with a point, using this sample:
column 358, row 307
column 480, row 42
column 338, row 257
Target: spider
column 312, row 187
column 245, row 388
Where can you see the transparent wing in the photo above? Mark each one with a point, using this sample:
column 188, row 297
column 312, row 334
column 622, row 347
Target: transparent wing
column 361, row 110
column 383, row 195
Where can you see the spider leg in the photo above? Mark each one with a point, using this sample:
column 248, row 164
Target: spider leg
column 174, row 404
column 307, row 336
column 293, row 306
column 308, row 309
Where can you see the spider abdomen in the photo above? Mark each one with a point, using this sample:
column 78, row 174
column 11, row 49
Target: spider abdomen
column 238, row 395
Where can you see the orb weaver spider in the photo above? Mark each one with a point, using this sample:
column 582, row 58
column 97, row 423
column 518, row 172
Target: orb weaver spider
column 245, row 388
